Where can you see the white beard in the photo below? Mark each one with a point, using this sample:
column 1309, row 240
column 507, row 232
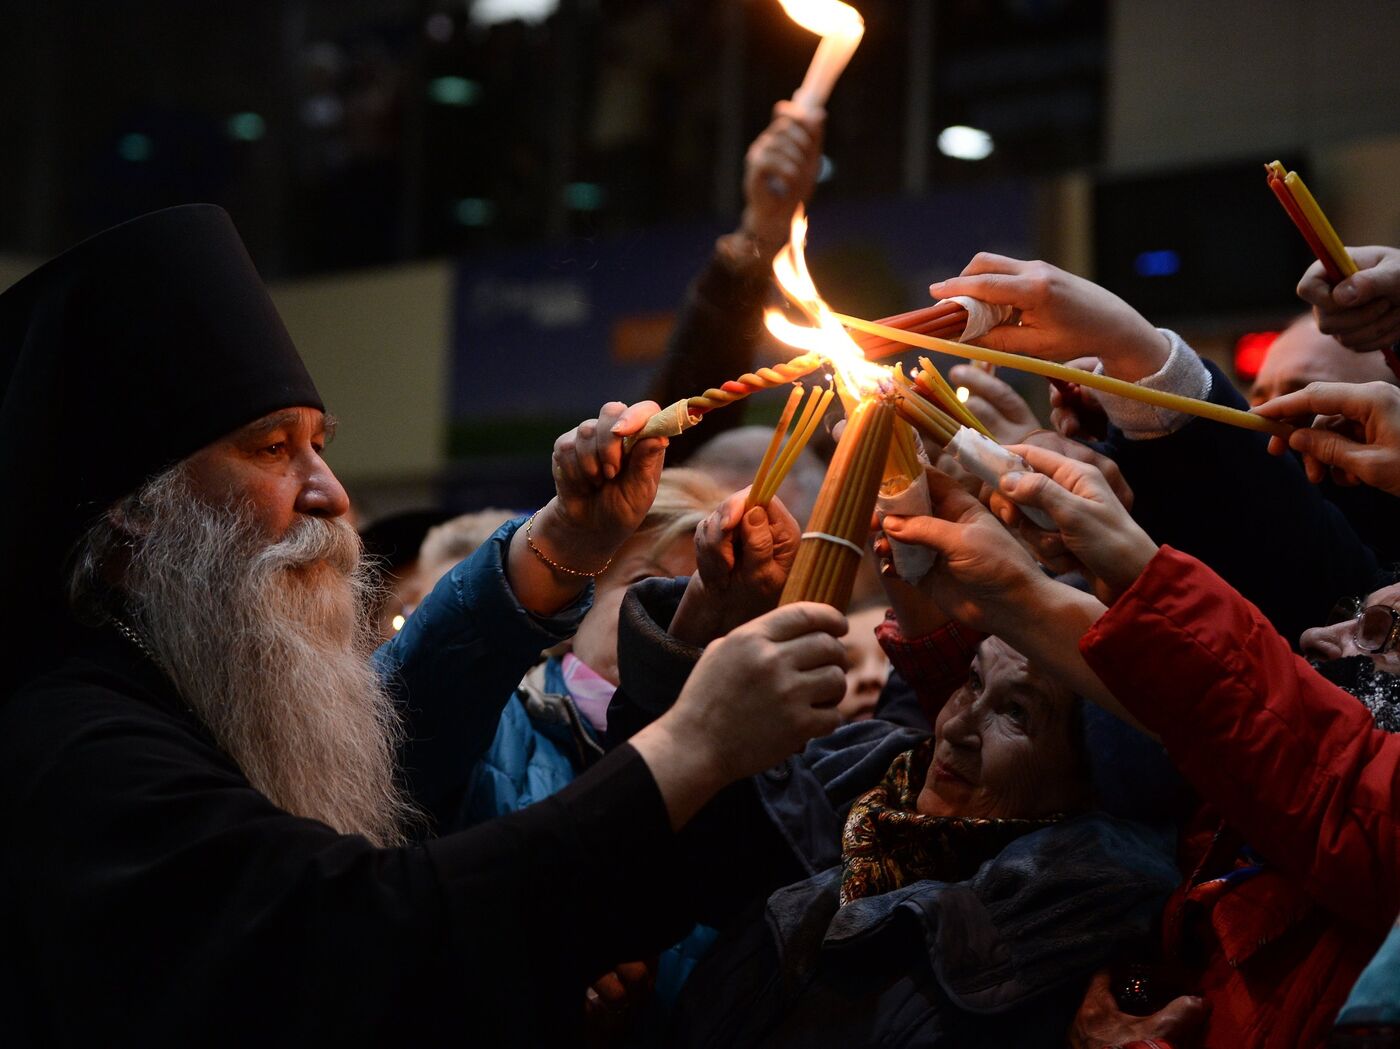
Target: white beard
column 269, row 644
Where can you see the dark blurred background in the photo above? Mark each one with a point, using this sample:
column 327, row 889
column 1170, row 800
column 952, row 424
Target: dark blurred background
column 478, row 216
column 347, row 133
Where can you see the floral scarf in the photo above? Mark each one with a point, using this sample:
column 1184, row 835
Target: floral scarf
column 887, row 843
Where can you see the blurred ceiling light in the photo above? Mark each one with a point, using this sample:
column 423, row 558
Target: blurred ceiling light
column 489, row 12
column 246, row 127
column 474, row 211
column 583, row 196
column 964, row 143
column 439, row 28
column 453, row 90
column 134, row 147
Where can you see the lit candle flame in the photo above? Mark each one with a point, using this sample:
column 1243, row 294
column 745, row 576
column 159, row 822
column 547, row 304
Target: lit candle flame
column 825, row 334
column 840, row 27
column 825, row 17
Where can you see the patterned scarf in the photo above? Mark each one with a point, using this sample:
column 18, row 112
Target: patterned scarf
column 887, row 843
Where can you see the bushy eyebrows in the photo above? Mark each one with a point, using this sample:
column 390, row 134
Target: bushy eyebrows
column 286, row 420
column 268, row 423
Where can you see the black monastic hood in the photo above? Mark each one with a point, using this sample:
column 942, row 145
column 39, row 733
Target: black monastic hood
column 119, row 358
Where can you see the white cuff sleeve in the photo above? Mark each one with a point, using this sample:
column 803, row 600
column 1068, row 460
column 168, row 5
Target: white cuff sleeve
column 1183, row 373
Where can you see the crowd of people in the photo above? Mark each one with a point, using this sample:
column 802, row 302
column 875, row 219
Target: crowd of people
column 1133, row 781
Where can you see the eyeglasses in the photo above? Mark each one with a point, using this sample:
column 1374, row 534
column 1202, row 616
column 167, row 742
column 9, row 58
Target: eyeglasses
column 1377, row 627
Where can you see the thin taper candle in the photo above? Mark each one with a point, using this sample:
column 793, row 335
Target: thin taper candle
column 1103, row 383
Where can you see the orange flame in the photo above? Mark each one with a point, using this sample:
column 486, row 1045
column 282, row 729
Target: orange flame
column 825, row 17
column 857, row 377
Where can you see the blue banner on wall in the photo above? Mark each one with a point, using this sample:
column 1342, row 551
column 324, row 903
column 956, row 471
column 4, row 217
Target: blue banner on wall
column 546, row 335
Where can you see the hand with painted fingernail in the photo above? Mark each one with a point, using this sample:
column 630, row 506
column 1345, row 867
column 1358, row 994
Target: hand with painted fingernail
column 742, row 557
column 601, row 497
column 1094, row 531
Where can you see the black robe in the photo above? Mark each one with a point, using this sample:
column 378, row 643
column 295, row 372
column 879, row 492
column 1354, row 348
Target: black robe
column 150, row 896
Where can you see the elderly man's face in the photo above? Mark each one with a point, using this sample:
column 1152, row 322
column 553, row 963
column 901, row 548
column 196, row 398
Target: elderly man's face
column 1302, row 354
column 1005, row 744
column 1339, row 641
column 274, row 466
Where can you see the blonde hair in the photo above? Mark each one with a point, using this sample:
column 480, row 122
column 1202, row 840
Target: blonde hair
column 453, row 540
column 684, row 498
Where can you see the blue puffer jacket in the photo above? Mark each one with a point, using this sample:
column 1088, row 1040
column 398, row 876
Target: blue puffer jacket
column 541, row 744
column 454, row 665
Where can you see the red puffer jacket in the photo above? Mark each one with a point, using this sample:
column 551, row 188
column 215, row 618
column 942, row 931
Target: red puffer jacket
column 1297, row 766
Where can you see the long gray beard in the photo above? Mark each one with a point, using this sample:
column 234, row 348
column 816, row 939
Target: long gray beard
column 269, row 645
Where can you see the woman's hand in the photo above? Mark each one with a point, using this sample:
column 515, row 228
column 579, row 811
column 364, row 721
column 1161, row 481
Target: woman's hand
column 1363, row 311
column 982, row 573
column 1000, row 408
column 1095, row 530
column 917, row 614
column 1051, row 441
column 742, row 560
column 1355, row 431
column 1062, row 316
column 601, row 496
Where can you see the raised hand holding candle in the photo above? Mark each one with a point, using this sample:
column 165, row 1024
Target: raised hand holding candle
column 840, row 27
column 1293, row 193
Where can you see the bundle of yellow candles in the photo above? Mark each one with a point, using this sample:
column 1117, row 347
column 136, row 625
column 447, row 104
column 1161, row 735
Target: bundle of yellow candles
column 833, row 545
column 786, row 444
column 1051, row 370
column 918, row 412
column 903, row 465
column 936, row 388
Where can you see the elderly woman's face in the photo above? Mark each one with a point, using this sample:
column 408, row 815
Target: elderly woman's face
column 1005, row 744
column 1340, row 640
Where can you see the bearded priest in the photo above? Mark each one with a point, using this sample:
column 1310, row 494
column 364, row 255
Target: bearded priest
column 219, row 799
